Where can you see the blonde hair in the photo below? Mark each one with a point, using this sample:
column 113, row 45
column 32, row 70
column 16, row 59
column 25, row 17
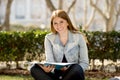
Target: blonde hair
column 62, row 14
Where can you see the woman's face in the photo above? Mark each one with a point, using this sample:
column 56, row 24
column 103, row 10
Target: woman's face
column 60, row 24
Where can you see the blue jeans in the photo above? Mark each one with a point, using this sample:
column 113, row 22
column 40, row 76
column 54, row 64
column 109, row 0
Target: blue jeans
column 74, row 72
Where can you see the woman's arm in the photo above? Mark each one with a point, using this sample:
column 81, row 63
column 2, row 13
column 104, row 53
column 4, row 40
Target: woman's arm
column 83, row 60
column 48, row 50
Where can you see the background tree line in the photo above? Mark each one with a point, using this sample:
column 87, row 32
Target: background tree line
column 109, row 10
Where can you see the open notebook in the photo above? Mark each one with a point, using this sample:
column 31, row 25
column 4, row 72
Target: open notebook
column 57, row 65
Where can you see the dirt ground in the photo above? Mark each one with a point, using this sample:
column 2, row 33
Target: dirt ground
column 101, row 74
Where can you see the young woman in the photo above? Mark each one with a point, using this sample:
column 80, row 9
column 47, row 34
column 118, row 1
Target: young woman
column 64, row 44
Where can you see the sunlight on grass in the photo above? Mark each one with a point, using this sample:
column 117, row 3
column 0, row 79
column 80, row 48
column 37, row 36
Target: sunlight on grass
column 15, row 77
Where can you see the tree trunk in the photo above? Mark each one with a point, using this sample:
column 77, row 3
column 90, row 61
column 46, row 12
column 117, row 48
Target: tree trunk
column 6, row 23
column 102, row 66
column 88, row 22
column 0, row 19
column 60, row 4
column 109, row 14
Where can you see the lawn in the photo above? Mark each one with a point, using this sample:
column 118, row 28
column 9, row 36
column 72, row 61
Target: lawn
column 21, row 77
column 15, row 77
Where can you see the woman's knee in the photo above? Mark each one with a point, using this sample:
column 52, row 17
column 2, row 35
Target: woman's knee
column 77, row 69
column 34, row 69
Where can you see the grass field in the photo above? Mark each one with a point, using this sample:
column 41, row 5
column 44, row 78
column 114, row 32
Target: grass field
column 15, row 77
column 21, row 77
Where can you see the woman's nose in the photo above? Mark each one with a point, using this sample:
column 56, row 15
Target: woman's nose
column 58, row 25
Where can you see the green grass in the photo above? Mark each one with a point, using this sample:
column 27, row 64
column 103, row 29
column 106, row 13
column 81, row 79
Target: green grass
column 15, row 77
column 21, row 77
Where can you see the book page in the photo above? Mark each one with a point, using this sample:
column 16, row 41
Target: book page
column 56, row 64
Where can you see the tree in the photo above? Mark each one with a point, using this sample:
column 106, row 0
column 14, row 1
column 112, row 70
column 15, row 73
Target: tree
column 0, row 16
column 109, row 14
column 52, row 7
column 88, row 22
column 6, row 23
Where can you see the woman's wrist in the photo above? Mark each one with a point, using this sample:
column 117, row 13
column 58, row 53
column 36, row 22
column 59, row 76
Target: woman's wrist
column 52, row 71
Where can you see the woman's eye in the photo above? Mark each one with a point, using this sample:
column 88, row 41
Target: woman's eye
column 61, row 21
column 54, row 23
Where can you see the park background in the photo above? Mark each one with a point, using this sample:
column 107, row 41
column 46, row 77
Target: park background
column 23, row 22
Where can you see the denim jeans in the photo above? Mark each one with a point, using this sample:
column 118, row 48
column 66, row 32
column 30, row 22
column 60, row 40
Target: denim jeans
column 74, row 72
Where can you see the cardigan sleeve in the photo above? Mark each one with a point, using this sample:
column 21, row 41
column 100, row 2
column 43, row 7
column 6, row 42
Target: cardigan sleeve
column 83, row 53
column 48, row 50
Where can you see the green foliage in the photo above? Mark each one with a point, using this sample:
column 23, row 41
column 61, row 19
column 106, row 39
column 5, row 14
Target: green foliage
column 104, row 45
column 15, row 46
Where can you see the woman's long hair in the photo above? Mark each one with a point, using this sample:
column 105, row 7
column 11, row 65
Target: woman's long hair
column 62, row 14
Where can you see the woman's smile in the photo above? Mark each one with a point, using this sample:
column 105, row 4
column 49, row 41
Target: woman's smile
column 60, row 24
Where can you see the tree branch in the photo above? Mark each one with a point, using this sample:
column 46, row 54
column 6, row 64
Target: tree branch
column 118, row 10
column 60, row 4
column 98, row 9
column 50, row 5
column 73, row 3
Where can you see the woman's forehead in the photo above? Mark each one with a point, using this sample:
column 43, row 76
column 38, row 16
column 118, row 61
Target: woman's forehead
column 58, row 19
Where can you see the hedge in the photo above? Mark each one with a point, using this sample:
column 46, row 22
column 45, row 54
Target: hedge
column 14, row 46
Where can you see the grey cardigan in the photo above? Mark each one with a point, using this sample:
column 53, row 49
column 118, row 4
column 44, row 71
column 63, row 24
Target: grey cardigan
column 75, row 50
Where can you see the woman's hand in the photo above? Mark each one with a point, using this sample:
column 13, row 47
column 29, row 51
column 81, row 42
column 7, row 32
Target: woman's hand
column 48, row 68
column 64, row 68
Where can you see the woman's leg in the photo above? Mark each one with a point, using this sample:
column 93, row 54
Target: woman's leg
column 38, row 74
column 75, row 72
